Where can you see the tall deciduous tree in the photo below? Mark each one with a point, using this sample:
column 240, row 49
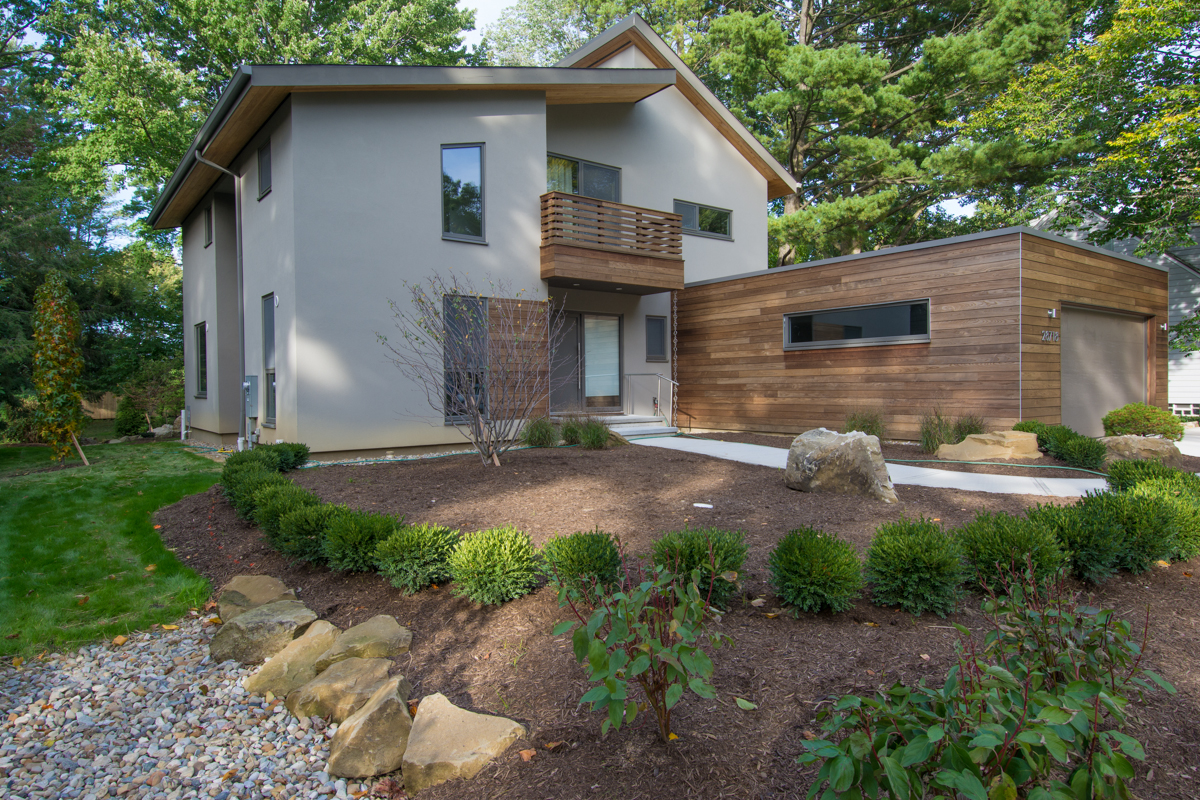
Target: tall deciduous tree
column 534, row 33
column 57, row 365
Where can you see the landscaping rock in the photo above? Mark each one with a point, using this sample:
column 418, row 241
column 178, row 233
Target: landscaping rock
column 293, row 666
column 262, row 632
column 244, row 592
column 990, row 446
column 1139, row 448
column 840, row 463
column 447, row 742
column 379, row 637
column 342, row 689
column 373, row 739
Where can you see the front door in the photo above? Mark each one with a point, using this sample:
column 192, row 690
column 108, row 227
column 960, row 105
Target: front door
column 586, row 375
column 566, row 379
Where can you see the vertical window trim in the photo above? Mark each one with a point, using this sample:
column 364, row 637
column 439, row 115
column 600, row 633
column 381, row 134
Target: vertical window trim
column 875, row 341
column 707, row 234
column 664, row 358
column 201, row 333
column 263, row 191
column 580, row 162
column 208, row 225
column 269, row 365
column 459, row 237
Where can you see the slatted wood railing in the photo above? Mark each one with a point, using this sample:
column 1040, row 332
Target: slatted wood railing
column 602, row 225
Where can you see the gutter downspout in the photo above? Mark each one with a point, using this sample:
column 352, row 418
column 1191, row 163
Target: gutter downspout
column 237, row 212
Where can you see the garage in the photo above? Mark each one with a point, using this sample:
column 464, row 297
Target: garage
column 1103, row 365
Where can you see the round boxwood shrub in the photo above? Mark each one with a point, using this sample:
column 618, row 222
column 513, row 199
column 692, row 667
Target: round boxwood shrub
column 1083, row 452
column 581, row 561
column 812, row 570
column 1183, row 503
column 351, row 539
column 130, row 420
column 415, row 556
column 916, row 565
column 493, row 566
column 998, row 546
column 1124, row 475
column 540, row 433
column 302, row 531
column 718, row 554
column 1148, row 527
column 1030, row 426
column 1053, row 437
column 1091, row 540
column 1139, row 419
column 289, row 455
column 273, row 501
column 242, row 482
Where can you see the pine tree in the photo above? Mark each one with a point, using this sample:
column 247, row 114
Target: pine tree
column 57, row 365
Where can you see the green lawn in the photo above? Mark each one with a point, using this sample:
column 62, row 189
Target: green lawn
column 86, row 532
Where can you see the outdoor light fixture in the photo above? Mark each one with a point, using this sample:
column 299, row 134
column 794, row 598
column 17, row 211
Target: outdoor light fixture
column 1053, row 312
column 1163, row 326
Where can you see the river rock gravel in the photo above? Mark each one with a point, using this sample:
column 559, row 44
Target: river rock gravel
column 154, row 718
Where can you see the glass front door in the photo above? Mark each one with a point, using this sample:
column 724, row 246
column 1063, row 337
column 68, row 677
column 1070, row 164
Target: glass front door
column 586, row 375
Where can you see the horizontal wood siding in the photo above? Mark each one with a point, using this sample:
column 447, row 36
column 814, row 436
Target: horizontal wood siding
column 563, row 265
column 1056, row 273
column 735, row 375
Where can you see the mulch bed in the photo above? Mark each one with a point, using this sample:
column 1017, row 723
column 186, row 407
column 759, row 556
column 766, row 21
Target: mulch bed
column 504, row 661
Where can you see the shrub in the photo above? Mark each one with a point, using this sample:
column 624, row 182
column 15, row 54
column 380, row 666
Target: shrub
column 130, row 421
column 577, row 562
column 717, row 554
column 1124, row 475
column 352, row 537
column 493, row 566
column 302, row 531
column 1183, row 503
column 18, row 421
column 595, row 434
column 540, row 433
column 243, row 480
column 1031, row 426
column 869, row 422
column 1148, row 527
column 266, row 457
column 1139, row 419
column 967, row 425
column 996, row 544
column 1092, row 540
column 1084, row 453
column 936, row 430
column 290, row 455
column 274, row 500
column 916, row 565
column 811, row 570
column 572, row 430
column 1053, row 437
column 415, row 556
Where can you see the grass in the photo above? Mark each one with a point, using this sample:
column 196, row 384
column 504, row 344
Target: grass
column 79, row 557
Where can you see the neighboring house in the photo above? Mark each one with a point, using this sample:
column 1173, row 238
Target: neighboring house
column 313, row 193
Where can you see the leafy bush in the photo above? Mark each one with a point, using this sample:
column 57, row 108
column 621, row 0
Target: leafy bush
column 540, row 433
column 266, row 457
column 352, row 536
column 967, row 425
column 577, row 562
column 811, row 570
column 1139, row 419
column 996, row 544
column 18, row 421
column 718, row 555
column 1183, row 503
column 869, row 422
column 916, row 565
column 595, row 434
column 1031, row 426
column 1124, row 475
column 493, row 566
column 290, row 455
column 274, row 500
column 415, row 556
column 572, row 430
column 130, row 421
column 1148, row 526
column 1083, row 452
column 1054, row 437
column 243, row 481
column 302, row 531
column 1092, row 540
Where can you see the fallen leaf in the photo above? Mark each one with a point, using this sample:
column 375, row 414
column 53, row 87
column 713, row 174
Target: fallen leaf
column 937, row 519
column 18, row 661
column 870, row 672
column 1187, row 574
column 486, row 656
column 158, row 527
column 151, row 567
column 672, row 737
column 112, row 577
column 730, row 576
column 170, row 627
column 810, row 735
column 412, row 707
column 229, row 775
column 82, row 598
column 13, row 635
column 1161, row 563
column 552, row 746
column 871, row 624
column 526, row 755
column 758, row 602
column 210, row 605
column 745, row 705
column 388, row 789
column 771, row 615
column 139, row 493
column 924, row 656
column 119, row 640
column 433, row 585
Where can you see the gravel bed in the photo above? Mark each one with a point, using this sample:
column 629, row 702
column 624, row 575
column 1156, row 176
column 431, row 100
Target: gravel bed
column 154, row 718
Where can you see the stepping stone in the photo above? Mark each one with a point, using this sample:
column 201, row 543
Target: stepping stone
column 258, row 634
column 448, row 742
column 293, row 666
column 372, row 740
column 244, row 592
column 342, row 689
column 378, row 637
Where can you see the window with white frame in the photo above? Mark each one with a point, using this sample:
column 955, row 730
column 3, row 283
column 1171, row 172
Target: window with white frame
column 857, row 326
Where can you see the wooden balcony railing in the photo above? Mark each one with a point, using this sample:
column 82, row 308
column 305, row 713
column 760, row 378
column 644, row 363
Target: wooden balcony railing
column 576, row 221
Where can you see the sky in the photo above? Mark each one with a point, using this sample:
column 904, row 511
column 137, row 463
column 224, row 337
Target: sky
column 486, row 12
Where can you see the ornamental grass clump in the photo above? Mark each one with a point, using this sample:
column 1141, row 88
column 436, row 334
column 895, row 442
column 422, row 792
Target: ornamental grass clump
column 595, row 434
column 416, row 556
column 302, row 531
column 352, row 536
column 916, row 565
column 493, row 566
column 717, row 554
column 812, row 570
column 274, row 500
column 1139, row 419
column 868, row 421
column 995, row 544
column 572, row 430
column 540, row 433
column 576, row 563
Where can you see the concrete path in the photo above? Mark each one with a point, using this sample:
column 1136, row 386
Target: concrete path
column 1190, row 446
column 901, row 474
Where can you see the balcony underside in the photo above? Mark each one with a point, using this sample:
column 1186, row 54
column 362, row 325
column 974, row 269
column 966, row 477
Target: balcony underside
column 584, row 268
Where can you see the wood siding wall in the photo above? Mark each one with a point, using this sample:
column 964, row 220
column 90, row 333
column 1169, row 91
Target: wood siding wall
column 1058, row 273
column 735, row 375
column 518, row 356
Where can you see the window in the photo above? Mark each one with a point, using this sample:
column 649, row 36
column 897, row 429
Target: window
column 888, row 323
column 575, row 176
column 202, row 360
column 264, row 170
column 208, row 226
column 462, row 192
column 705, row 220
column 465, row 357
column 268, row 339
column 656, row 338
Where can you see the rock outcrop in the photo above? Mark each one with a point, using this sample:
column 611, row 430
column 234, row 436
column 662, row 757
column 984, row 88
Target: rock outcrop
column 244, row 592
column 373, row 739
column 1140, row 448
column 293, row 666
column 256, row 635
column 448, row 742
column 991, row 446
column 341, row 690
column 379, row 637
column 841, row 463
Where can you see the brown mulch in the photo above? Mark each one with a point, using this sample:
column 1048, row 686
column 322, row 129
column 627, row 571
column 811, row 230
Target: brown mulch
column 504, row 661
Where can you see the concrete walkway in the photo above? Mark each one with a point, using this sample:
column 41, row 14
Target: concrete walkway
column 901, row 474
column 1190, row 446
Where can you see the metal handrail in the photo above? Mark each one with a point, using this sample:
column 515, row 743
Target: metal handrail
column 657, row 400
column 650, row 375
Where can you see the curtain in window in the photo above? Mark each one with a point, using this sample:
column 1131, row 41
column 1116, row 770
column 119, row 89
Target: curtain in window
column 602, row 356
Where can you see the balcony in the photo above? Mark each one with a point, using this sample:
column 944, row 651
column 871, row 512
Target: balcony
column 610, row 247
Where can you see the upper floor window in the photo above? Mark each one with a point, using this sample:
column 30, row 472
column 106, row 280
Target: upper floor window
column 462, row 192
column 576, row 176
column 264, row 170
column 705, row 220
column 208, row 225
column 887, row 323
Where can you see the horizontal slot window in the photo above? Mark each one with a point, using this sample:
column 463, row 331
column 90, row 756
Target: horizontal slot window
column 705, row 220
column 889, row 323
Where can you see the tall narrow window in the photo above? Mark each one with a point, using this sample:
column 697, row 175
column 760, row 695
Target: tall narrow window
column 705, row 220
column 202, row 359
column 656, row 338
column 586, row 178
column 268, row 334
column 465, row 357
column 264, row 170
column 208, row 225
column 462, row 192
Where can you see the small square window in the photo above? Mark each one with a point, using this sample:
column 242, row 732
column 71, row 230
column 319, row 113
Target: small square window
column 462, row 192
column 656, row 338
column 699, row 220
column 264, row 170
column 208, row 226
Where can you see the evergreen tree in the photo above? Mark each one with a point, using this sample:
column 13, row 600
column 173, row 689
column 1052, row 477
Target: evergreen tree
column 57, row 365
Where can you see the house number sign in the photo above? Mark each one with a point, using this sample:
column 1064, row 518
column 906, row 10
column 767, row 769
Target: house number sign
column 1049, row 336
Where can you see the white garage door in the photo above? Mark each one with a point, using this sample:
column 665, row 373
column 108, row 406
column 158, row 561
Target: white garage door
column 1103, row 366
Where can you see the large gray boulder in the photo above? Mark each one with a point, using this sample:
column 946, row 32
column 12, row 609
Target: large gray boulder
column 260, row 633
column 244, row 592
column 373, row 739
column 1140, row 448
column 379, row 637
column 840, row 463
column 342, row 689
column 293, row 666
column 448, row 742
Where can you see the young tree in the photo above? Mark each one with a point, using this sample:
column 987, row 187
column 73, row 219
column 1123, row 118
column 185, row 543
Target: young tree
column 157, row 390
column 482, row 359
column 57, row 365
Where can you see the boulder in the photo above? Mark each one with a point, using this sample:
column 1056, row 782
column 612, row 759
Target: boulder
column 244, row 592
column 841, row 463
column 372, row 740
column 262, row 632
column 379, row 637
column 164, row 430
column 1139, row 448
column 293, row 666
column 342, row 689
column 991, row 446
column 447, row 742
